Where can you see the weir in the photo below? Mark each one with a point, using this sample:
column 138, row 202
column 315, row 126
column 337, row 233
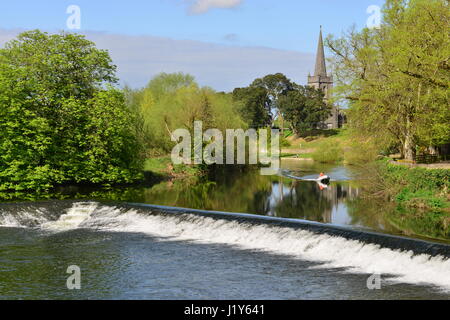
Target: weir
column 43, row 213
column 400, row 259
column 383, row 240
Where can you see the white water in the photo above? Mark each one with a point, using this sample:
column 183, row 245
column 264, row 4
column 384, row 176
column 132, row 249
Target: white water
column 24, row 218
column 74, row 218
column 331, row 251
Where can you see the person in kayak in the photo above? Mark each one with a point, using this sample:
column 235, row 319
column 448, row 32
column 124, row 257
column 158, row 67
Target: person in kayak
column 323, row 178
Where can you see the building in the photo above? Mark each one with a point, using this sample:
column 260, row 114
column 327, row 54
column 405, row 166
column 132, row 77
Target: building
column 322, row 80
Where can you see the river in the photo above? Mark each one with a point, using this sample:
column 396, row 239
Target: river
column 135, row 252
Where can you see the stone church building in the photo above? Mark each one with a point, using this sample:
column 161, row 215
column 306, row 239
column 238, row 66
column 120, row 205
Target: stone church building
column 324, row 81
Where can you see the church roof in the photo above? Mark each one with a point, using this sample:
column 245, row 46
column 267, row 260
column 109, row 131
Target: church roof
column 321, row 69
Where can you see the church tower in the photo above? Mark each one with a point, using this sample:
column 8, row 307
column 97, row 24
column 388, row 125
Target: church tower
column 321, row 80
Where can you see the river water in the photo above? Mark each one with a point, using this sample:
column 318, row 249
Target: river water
column 132, row 252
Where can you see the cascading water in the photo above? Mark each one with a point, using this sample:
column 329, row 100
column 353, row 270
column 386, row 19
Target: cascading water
column 357, row 255
column 74, row 218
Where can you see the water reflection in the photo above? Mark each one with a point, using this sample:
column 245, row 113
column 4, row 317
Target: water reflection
column 309, row 200
column 339, row 203
column 249, row 192
column 276, row 196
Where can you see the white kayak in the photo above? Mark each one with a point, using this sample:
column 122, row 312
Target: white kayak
column 323, row 179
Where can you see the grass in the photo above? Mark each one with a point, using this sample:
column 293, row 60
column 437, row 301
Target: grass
column 422, row 199
column 333, row 146
column 328, row 151
column 325, row 146
column 416, row 187
column 163, row 166
column 157, row 165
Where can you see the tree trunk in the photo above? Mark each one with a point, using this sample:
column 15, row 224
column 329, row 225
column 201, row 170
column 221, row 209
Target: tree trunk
column 409, row 146
column 409, row 149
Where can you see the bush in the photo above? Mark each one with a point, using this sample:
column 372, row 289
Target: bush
column 415, row 187
column 437, row 180
column 328, row 152
column 284, row 143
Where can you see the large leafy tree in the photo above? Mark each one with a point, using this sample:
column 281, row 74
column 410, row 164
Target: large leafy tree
column 174, row 101
column 61, row 121
column 255, row 106
column 167, row 83
column 304, row 107
column 276, row 85
column 260, row 100
column 397, row 77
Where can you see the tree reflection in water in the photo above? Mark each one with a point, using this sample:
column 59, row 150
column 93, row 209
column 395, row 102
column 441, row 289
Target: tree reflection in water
column 340, row 203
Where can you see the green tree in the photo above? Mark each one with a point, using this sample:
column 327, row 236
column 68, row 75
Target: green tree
column 59, row 123
column 166, row 83
column 304, row 107
column 174, row 101
column 276, row 86
column 255, row 106
column 397, row 78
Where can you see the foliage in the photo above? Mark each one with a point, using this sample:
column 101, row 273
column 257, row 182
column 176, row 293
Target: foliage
column 276, row 86
column 277, row 98
column 420, row 188
column 255, row 109
column 304, row 108
column 419, row 198
column 437, row 180
column 167, row 83
column 59, row 123
column 328, row 152
column 396, row 78
column 163, row 166
column 171, row 102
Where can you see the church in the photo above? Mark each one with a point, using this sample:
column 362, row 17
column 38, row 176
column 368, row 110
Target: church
column 322, row 80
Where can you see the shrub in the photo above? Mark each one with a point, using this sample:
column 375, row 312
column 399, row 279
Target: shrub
column 328, row 152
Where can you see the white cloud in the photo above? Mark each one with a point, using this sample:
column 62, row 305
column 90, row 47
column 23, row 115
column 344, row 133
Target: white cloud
column 202, row 6
column 139, row 58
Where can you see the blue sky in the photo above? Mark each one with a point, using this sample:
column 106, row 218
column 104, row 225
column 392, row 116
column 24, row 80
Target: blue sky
column 283, row 25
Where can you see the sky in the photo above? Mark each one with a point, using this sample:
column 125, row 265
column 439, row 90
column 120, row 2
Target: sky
column 223, row 43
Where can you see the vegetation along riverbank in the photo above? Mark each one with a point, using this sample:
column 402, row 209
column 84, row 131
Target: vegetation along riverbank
column 64, row 120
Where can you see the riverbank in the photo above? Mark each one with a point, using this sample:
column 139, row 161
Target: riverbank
column 416, row 187
column 155, row 171
column 412, row 185
column 421, row 196
column 327, row 146
column 163, row 167
column 419, row 192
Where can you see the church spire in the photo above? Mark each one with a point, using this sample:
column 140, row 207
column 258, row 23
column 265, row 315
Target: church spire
column 321, row 69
